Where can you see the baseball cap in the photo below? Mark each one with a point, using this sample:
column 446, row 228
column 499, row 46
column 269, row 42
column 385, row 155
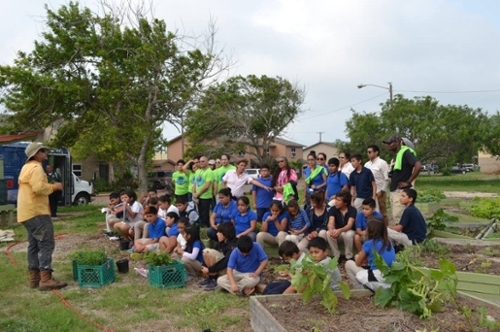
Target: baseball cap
column 211, row 162
column 392, row 138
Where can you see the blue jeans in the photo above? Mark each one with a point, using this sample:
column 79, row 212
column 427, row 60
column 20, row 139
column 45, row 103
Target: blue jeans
column 212, row 234
column 261, row 212
column 41, row 242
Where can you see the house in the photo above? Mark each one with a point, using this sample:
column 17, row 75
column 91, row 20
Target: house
column 487, row 163
column 326, row 147
column 280, row 147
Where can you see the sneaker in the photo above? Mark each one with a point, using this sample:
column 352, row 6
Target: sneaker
column 204, row 282
column 141, row 271
column 131, row 250
column 114, row 238
column 211, row 285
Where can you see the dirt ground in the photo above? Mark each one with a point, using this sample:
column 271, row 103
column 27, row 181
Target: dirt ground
column 295, row 316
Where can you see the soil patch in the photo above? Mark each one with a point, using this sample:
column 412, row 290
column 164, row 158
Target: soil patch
column 361, row 314
column 466, row 258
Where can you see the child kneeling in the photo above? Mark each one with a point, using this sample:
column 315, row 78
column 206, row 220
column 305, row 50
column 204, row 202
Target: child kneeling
column 244, row 267
column 378, row 241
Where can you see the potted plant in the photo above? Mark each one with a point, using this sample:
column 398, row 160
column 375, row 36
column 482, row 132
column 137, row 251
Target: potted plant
column 164, row 271
column 92, row 268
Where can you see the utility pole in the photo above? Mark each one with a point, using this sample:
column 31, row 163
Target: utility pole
column 390, row 95
column 320, row 133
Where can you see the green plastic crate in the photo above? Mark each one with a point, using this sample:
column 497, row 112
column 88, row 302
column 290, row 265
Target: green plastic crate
column 168, row 276
column 75, row 270
column 96, row 276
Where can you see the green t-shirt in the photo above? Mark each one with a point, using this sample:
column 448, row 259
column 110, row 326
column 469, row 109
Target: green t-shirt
column 181, row 181
column 203, row 176
column 192, row 177
column 220, row 172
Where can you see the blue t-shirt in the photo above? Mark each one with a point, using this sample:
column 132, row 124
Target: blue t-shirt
column 413, row 223
column 334, row 183
column 361, row 220
column 318, row 179
column 199, row 245
column 157, row 229
column 363, row 182
column 247, row 263
column 242, row 223
column 271, row 228
column 300, row 221
column 224, row 213
column 174, row 231
column 389, row 255
column 263, row 197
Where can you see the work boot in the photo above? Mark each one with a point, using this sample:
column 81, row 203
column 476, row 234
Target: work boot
column 34, row 278
column 47, row 283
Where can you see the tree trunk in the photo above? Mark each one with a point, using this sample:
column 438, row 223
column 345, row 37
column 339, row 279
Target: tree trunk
column 111, row 173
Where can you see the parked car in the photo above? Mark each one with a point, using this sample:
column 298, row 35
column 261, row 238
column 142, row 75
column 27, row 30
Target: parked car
column 160, row 179
column 253, row 172
column 458, row 170
column 469, row 167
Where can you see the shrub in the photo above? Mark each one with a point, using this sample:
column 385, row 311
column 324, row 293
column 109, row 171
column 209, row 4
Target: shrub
column 90, row 257
column 485, row 207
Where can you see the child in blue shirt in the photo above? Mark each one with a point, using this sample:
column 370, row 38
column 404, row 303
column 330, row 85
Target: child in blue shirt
column 262, row 198
column 192, row 256
column 244, row 267
column 274, row 226
column 335, row 181
column 367, row 211
column 378, row 241
column 298, row 222
column 156, row 229
column 244, row 219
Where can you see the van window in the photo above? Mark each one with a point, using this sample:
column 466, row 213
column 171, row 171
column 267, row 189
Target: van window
column 77, row 169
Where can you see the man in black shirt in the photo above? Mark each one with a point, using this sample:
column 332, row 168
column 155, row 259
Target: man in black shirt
column 403, row 172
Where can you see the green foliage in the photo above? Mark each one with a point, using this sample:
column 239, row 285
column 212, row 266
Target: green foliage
column 314, row 279
column 158, row 259
column 485, row 207
column 416, row 289
column 438, row 220
column 430, row 195
column 90, row 257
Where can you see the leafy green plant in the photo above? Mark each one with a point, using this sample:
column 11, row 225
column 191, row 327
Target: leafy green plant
column 158, row 259
column 485, row 207
column 434, row 247
column 90, row 257
column 416, row 289
column 438, row 220
column 430, row 195
column 310, row 279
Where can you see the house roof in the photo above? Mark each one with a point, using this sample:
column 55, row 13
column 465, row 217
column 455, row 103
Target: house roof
column 331, row 144
column 287, row 142
column 17, row 137
column 157, row 163
column 174, row 139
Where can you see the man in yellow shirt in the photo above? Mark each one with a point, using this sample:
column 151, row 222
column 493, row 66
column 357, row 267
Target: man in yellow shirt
column 34, row 213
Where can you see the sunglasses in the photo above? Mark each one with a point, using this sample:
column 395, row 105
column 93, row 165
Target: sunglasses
column 369, row 151
column 42, row 150
column 320, row 159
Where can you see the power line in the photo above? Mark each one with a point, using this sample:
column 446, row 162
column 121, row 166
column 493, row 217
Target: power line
column 350, row 106
column 464, row 91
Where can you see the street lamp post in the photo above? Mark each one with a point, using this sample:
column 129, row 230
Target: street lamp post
column 360, row 86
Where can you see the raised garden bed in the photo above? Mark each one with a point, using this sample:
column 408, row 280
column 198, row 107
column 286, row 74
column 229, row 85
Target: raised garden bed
column 289, row 313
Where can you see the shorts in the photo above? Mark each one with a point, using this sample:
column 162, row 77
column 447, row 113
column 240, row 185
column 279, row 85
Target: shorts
column 152, row 247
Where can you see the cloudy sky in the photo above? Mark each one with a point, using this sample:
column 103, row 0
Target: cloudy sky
column 443, row 48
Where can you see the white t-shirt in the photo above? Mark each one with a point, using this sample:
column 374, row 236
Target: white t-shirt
column 347, row 169
column 380, row 171
column 237, row 182
column 137, row 208
column 163, row 214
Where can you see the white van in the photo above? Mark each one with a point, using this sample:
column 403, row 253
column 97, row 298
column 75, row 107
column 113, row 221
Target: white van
column 83, row 191
column 253, row 172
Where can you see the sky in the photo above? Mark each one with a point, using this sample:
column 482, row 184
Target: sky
column 442, row 48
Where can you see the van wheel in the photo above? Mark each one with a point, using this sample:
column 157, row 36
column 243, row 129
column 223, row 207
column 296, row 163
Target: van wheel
column 82, row 199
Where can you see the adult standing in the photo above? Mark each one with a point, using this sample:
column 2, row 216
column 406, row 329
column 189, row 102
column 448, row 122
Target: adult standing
column 315, row 177
column 237, row 179
column 53, row 177
column 380, row 170
column 405, row 170
column 202, row 190
column 345, row 163
column 34, row 213
column 285, row 181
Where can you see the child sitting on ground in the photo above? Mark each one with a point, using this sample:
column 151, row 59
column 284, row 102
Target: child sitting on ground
column 192, row 256
column 156, row 229
column 298, row 222
column 412, row 228
column 244, row 219
column 318, row 249
column 367, row 211
column 169, row 242
column 113, row 204
column 216, row 259
column 288, row 250
column 244, row 267
column 378, row 241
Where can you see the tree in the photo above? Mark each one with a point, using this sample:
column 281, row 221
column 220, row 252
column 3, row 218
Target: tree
column 113, row 79
column 491, row 135
column 445, row 134
column 244, row 111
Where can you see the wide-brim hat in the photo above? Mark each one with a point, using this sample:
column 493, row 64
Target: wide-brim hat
column 33, row 148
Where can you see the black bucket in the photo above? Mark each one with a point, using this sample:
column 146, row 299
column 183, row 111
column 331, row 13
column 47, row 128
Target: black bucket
column 124, row 245
column 122, row 266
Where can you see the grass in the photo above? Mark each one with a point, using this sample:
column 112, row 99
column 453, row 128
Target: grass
column 473, row 182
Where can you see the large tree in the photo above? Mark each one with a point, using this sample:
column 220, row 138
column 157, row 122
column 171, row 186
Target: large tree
column 113, row 79
column 243, row 112
column 441, row 133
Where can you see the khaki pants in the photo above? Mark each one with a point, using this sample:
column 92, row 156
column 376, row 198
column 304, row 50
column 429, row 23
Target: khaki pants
column 346, row 237
column 396, row 207
column 193, row 266
column 382, row 205
column 265, row 237
column 352, row 269
column 294, row 238
column 359, row 277
column 399, row 237
column 243, row 280
column 140, row 230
